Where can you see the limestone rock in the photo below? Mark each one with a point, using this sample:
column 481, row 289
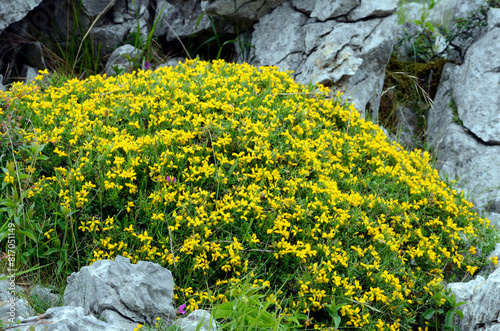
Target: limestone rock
column 15, row 10
column 241, row 12
column 122, row 58
column 373, row 9
column 483, row 302
column 464, row 125
column 124, row 294
column 67, row 319
column 179, row 20
column 476, row 84
column 108, row 295
column 13, row 307
column 325, row 9
column 273, row 40
column 350, row 56
column 28, row 73
column 198, row 320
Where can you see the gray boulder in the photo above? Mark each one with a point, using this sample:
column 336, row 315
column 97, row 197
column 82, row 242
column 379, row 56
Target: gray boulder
column 241, row 12
column 67, row 319
column 122, row 293
column 464, row 125
column 476, row 84
column 199, row 320
column 13, row 307
column 108, row 295
column 463, row 129
column 12, row 11
column 122, row 59
column 179, row 20
column 344, row 44
column 273, row 40
column 482, row 311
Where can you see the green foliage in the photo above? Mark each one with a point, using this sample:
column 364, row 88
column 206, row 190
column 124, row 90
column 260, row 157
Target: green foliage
column 444, row 319
column 454, row 110
column 212, row 170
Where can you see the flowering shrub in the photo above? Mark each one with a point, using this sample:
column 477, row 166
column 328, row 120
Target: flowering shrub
column 219, row 170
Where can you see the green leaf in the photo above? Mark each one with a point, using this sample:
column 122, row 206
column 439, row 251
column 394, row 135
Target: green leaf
column 59, row 266
column 51, row 251
column 429, row 313
column 336, row 321
column 8, row 203
column 223, row 310
column 460, row 314
column 25, row 193
column 29, row 234
column 449, row 318
column 23, row 176
column 198, row 21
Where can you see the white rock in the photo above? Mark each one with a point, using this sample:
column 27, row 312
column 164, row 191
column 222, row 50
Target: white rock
column 198, row 320
column 483, row 302
column 123, row 293
column 122, row 59
column 15, row 10
column 67, row 319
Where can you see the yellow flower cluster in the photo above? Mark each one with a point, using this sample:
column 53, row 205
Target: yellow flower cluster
column 219, row 170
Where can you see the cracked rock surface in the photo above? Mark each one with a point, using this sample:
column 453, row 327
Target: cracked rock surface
column 124, row 294
column 464, row 129
column 464, row 125
column 344, row 44
column 111, row 296
column 477, row 82
column 482, row 311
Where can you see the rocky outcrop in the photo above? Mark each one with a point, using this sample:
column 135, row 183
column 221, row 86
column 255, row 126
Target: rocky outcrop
column 15, row 11
column 108, row 295
column 343, row 44
column 464, row 126
column 179, row 20
column 123, row 59
column 482, row 310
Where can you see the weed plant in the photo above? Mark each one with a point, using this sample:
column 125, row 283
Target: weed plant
column 227, row 174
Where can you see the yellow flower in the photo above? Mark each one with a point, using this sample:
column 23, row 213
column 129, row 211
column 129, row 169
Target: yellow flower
column 47, row 234
column 8, row 179
column 129, row 205
column 59, row 152
column 494, row 259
